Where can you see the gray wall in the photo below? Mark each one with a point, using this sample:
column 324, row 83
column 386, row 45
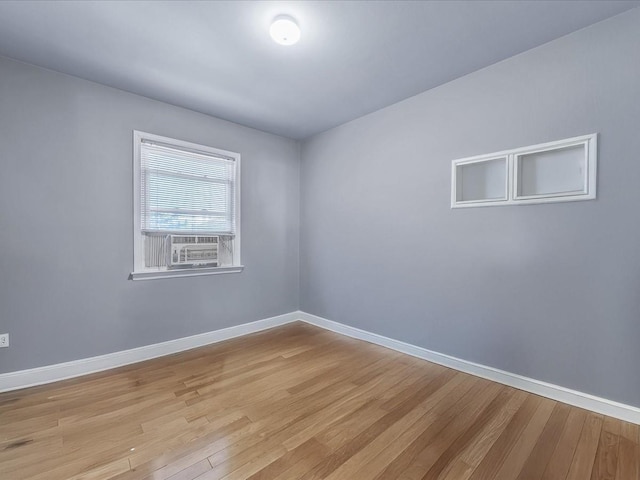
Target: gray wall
column 547, row 291
column 66, row 223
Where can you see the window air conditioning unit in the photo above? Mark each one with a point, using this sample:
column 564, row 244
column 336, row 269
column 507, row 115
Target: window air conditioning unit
column 193, row 250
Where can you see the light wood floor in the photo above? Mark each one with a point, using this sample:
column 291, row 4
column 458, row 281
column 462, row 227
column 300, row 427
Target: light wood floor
column 298, row 402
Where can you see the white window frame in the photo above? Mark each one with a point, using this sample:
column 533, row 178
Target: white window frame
column 480, row 159
column 589, row 143
column 140, row 271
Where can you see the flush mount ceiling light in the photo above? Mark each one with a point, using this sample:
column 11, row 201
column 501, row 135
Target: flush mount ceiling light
column 284, row 30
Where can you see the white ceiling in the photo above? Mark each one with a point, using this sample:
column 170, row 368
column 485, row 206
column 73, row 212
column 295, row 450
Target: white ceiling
column 217, row 57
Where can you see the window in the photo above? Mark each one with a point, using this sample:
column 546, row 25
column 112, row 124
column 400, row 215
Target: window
column 186, row 208
column 482, row 180
column 561, row 171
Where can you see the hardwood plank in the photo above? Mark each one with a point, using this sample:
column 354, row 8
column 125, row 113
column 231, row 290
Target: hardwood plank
column 273, row 433
column 458, row 470
column 342, row 431
column 466, row 461
column 536, row 462
column 189, row 473
column 346, row 451
column 584, row 456
column 448, row 411
column 628, row 453
column 104, row 472
column 310, row 448
column 523, row 447
column 464, row 429
column 303, row 466
column 606, row 461
column 493, row 460
column 255, row 461
column 476, row 451
column 560, row 461
column 439, row 449
column 376, row 456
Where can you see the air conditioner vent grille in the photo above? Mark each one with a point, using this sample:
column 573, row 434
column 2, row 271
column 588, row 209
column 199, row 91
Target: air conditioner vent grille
column 193, row 250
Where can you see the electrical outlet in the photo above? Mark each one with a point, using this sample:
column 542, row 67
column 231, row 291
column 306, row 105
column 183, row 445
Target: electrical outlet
column 4, row 340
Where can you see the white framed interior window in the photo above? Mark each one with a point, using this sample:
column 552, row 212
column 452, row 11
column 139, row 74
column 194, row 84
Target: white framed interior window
column 480, row 180
column 560, row 171
column 186, row 208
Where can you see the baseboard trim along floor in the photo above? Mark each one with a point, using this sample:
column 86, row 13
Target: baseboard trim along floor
column 85, row 366
column 63, row 371
column 621, row 411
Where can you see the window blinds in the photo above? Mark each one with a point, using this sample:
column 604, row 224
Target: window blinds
column 186, row 191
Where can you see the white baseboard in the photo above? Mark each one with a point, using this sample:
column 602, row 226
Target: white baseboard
column 624, row 412
column 76, row 368
column 85, row 366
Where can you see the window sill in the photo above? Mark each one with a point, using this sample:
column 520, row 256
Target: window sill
column 187, row 272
